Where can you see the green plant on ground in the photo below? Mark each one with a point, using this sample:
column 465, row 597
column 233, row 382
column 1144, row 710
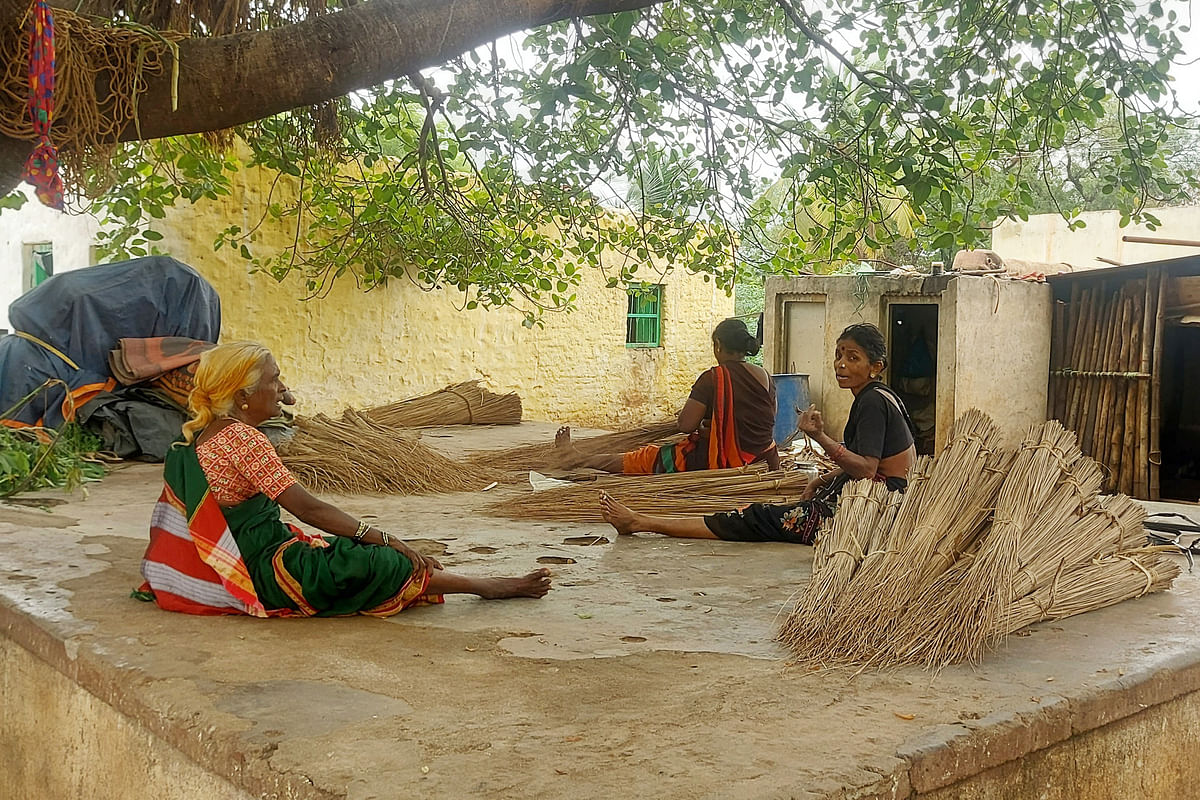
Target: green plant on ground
column 37, row 458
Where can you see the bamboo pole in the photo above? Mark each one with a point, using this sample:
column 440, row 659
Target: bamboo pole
column 1155, row 458
column 1128, row 442
column 1160, row 240
column 1116, row 433
column 1141, row 481
column 1083, row 334
column 1105, row 412
column 1057, row 347
column 1091, row 395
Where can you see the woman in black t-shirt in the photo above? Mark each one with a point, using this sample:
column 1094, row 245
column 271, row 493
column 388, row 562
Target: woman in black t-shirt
column 878, row 444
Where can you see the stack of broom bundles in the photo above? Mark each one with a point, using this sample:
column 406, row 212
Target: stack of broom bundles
column 355, row 455
column 461, row 404
column 985, row 541
column 674, row 494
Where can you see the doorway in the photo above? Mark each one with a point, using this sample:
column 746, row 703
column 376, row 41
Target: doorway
column 1179, row 428
column 912, row 367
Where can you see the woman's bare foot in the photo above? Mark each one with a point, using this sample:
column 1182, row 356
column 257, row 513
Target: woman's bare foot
column 567, row 452
column 617, row 515
column 535, row 584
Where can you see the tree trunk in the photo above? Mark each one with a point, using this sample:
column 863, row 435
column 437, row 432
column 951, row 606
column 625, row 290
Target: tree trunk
column 230, row 80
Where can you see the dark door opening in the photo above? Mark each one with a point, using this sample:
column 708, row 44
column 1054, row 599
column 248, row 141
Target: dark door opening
column 912, row 371
column 1179, row 431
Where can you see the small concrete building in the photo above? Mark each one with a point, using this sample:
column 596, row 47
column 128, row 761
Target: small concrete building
column 954, row 341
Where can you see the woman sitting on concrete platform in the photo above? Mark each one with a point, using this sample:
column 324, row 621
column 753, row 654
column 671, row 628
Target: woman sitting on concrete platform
column 879, row 445
column 218, row 546
column 729, row 418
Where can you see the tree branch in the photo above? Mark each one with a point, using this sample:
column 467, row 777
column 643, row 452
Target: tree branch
column 231, row 80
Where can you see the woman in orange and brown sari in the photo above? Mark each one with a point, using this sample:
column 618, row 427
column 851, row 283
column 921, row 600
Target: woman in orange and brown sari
column 878, row 445
column 218, row 546
column 729, row 418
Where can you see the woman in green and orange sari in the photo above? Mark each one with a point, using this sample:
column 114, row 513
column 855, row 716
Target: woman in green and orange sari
column 218, row 546
column 729, row 418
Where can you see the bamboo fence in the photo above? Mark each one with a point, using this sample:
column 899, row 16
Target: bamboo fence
column 985, row 541
column 1105, row 357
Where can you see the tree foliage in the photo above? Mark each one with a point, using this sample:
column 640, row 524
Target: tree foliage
column 914, row 125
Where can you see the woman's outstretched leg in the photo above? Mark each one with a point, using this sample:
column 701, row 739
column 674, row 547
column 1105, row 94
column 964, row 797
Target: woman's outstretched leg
column 570, row 457
column 535, row 584
column 628, row 521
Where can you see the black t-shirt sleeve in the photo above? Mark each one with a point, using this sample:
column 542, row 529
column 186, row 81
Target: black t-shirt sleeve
column 867, row 430
column 703, row 389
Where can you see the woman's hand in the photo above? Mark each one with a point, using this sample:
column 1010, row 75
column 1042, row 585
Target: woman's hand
column 420, row 563
column 811, row 422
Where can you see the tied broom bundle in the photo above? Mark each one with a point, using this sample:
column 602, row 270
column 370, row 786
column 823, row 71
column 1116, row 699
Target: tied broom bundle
column 940, row 516
column 540, row 456
column 461, row 404
column 354, row 455
column 676, row 494
column 1046, row 546
column 870, row 510
column 1102, row 582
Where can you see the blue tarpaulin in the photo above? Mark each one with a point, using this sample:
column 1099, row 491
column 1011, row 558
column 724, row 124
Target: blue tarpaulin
column 65, row 328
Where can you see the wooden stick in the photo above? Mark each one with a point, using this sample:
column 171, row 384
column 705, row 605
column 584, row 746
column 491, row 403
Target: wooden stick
column 1129, row 440
column 1105, row 413
column 1081, row 313
column 1160, row 240
column 1087, row 430
column 1057, row 346
column 1141, row 481
column 1116, row 432
column 1155, row 457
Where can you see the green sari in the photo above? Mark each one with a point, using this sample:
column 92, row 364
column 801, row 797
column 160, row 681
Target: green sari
column 290, row 571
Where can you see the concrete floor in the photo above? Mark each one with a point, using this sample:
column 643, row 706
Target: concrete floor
column 650, row 668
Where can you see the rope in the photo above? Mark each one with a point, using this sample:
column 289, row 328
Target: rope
column 31, row 338
column 118, row 57
column 1142, row 567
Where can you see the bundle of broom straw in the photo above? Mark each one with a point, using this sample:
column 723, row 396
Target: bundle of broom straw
column 985, row 541
column 675, row 494
column 461, row 404
column 355, row 455
column 540, row 456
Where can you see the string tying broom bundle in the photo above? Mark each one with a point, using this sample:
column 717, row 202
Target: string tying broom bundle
column 465, row 403
column 354, row 455
column 540, row 456
column 985, row 541
column 676, row 494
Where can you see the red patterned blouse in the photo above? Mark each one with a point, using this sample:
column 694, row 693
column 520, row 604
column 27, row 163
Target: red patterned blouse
column 239, row 462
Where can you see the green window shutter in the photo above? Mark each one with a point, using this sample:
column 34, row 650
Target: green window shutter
column 643, row 321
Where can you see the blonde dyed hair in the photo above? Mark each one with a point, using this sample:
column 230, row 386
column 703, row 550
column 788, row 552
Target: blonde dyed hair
column 222, row 372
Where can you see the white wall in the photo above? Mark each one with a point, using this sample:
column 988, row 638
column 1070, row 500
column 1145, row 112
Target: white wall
column 1045, row 238
column 70, row 235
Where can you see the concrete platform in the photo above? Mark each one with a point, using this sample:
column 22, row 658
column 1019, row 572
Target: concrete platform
column 649, row 671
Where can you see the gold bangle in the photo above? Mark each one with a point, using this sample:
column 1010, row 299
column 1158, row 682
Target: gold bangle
column 363, row 527
column 385, row 539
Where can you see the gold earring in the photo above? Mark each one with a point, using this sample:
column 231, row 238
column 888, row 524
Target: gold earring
column 246, row 406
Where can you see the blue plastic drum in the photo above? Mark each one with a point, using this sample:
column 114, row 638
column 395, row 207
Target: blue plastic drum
column 791, row 391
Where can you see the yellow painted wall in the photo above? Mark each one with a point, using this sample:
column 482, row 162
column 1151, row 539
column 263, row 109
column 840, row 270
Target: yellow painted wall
column 366, row 348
